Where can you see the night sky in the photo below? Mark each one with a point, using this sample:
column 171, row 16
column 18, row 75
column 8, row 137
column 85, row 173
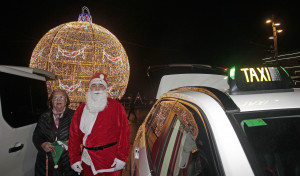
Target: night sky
column 218, row 33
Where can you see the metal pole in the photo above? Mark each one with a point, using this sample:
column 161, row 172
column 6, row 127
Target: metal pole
column 275, row 43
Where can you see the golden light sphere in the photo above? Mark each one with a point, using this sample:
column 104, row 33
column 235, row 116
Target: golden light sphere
column 75, row 51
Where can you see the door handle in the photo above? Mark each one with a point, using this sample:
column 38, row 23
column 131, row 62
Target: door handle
column 136, row 153
column 15, row 149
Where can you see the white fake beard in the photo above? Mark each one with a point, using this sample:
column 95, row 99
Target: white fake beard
column 96, row 102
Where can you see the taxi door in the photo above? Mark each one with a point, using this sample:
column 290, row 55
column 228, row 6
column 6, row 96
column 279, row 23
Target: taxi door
column 145, row 145
column 187, row 148
column 178, row 142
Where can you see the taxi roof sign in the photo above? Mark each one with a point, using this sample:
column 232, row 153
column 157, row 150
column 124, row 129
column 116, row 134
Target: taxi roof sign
column 247, row 79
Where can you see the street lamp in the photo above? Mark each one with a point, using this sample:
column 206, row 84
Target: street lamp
column 274, row 37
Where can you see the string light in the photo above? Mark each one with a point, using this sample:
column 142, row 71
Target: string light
column 75, row 51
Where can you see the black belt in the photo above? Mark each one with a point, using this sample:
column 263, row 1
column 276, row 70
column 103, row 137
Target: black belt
column 101, row 147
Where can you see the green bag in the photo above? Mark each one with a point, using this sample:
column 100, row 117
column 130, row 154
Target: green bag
column 59, row 147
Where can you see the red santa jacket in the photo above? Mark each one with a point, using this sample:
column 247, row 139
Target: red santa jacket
column 110, row 126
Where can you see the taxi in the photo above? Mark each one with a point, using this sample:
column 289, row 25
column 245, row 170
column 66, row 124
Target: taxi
column 242, row 123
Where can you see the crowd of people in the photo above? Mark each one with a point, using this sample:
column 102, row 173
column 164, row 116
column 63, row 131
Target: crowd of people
column 94, row 139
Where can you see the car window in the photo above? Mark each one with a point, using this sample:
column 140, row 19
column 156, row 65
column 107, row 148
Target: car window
column 177, row 153
column 274, row 140
column 158, row 116
column 155, row 124
column 193, row 152
column 206, row 160
column 157, row 120
column 183, row 148
column 22, row 99
column 181, row 145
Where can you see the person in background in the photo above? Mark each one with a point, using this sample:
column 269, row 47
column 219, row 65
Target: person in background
column 99, row 134
column 131, row 108
column 53, row 125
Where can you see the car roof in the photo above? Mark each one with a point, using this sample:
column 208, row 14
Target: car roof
column 267, row 101
column 241, row 102
column 33, row 73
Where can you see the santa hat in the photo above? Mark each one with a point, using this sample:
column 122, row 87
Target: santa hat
column 59, row 147
column 99, row 78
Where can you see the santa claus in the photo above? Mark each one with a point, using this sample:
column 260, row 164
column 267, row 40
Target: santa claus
column 99, row 139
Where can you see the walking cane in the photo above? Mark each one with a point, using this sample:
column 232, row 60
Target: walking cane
column 47, row 165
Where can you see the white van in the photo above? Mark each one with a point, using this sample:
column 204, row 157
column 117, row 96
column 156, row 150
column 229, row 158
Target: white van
column 23, row 97
column 243, row 124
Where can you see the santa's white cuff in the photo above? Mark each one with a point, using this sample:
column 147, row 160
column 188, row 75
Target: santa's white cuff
column 77, row 167
column 119, row 164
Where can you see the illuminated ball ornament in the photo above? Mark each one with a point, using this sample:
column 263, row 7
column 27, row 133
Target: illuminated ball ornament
column 75, row 51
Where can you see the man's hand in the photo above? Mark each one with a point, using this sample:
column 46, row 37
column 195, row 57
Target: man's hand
column 119, row 165
column 77, row 167
column 47, row 146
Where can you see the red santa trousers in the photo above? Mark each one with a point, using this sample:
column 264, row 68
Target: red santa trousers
column 87, row 171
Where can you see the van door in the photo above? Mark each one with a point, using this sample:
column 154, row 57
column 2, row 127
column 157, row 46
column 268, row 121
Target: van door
column 22, row 100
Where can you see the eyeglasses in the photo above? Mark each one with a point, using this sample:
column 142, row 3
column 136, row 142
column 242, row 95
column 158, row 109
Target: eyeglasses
column 58, row 98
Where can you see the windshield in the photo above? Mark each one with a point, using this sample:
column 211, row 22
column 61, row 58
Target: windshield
column 274, row 140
